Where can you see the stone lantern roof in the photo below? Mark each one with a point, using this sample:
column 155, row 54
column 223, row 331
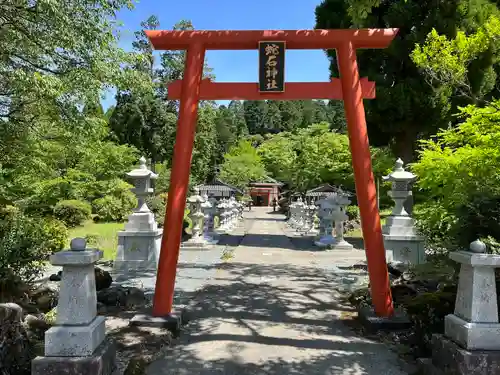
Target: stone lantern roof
column 142, row 171
column 399, row 174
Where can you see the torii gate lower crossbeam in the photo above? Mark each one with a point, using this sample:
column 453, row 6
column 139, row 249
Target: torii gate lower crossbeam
column 193, row 88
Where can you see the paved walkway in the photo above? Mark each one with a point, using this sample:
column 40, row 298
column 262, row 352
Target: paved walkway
column 273, row 310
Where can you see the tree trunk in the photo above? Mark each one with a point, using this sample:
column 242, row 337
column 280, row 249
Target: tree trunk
column 404, row 145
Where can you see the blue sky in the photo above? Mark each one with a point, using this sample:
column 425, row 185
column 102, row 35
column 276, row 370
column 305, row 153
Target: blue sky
column 235, row 66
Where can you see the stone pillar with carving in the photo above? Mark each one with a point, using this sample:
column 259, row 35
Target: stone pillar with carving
column 402, row 242
column 139, row 242
column 471, row 340
column 197, row 241
column 77, row 343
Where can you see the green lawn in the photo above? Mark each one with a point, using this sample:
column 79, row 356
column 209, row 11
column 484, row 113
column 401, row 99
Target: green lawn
column 103, row 236
column 357, row 233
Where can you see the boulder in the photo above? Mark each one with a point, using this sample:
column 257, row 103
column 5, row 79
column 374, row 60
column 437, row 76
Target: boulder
column 103, row 279
column 124, row 297
column 16, row 351
column 45, row 298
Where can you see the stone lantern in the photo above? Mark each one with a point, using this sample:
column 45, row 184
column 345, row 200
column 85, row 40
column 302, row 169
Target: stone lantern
column 402, row 242
column 223, row 217
column 293, row 214
column 311, row 210
column 139, row 242
column 339, row 216
column 208, row 220
column 300, row 214
column 327, row 207
column 196, row 215
column 142, row 218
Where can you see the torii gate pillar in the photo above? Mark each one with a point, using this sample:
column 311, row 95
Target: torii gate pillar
column 353, row 90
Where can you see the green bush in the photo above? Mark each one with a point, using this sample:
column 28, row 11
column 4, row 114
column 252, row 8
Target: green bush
column 110, row 208
column 458, row 172
column 72, row 212
column 116, row 203
column 26, row 243
column 352, row 212
column 157, row 205
column 478, row 218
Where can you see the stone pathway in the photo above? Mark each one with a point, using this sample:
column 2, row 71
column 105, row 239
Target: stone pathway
column 273, row 309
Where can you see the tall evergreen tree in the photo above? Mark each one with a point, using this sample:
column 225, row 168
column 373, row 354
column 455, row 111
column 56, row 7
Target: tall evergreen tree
column 407, row 107
column 255, row 115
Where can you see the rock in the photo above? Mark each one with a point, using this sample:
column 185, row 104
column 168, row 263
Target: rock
column 11, row 312
column 119, row 296
column 105, row 263
column 400, row 293
column 103, row 279
column 55, row 277
column 13, row 288
column 36, row 322
column 16, row 351
column 45, row 298
column 397, row 268
column 101, row 308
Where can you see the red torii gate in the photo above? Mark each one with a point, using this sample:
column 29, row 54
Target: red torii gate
column 350, row 88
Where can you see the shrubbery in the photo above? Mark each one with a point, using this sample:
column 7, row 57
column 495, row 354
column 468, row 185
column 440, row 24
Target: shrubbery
column 26, row 243
column 352, row 212
column 72, row 212
column 116, row 203
column 458, row 173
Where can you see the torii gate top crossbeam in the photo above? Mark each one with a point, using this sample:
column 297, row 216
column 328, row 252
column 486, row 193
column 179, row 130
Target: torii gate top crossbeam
column 249, row 39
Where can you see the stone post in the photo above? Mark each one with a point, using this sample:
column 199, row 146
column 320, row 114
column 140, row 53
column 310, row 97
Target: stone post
column 327, row 207
column 196, row 242
column 402, row 242
column 339, row 216
column 471, row 341
column 139, row 243
column 77, row 343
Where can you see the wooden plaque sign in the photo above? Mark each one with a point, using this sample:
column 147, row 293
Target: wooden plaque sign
column 271, row 66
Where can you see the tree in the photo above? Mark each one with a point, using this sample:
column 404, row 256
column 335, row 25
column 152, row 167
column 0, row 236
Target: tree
column 205, row 145
column 238, row 112
column 291, row 115
column 273, row 120
column 144, row 123
column 460, row 65
column 308, row 157
column 255, row 115
column 336, row 115
column 55, row 55
column 242, row 164
column 406, row 108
